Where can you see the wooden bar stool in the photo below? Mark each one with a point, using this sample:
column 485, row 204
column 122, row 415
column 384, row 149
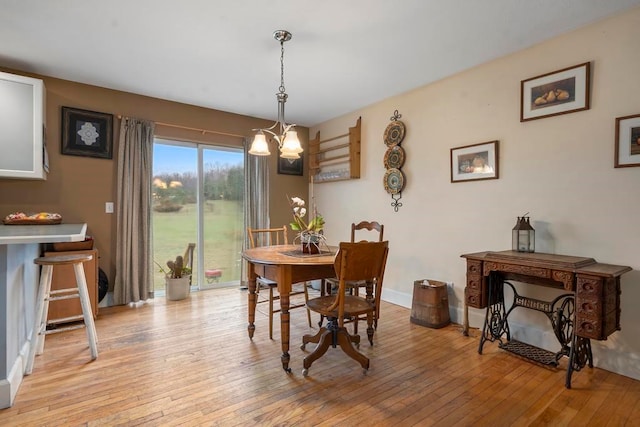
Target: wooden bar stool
column 45, row 294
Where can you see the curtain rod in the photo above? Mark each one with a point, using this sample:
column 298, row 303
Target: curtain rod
column 202, row 131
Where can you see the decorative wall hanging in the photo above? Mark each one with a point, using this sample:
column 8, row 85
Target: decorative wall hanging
column 394, row 159
column 87, row 133
column 474, row 162
column 627, row 141
column 560, row 92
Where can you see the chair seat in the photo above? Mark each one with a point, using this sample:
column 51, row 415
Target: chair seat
column 266, row 282
column 353, row 306
column 349, row 283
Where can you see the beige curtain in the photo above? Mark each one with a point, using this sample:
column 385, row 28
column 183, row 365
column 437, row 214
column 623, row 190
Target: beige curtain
column 133, row 241
column 256, row 196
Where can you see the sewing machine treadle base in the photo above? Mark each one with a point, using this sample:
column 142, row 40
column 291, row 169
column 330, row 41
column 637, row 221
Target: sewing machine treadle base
column 530, row 352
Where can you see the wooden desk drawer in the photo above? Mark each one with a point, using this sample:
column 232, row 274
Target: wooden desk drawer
column 474, row 267
column 475, row 292
column 598, row 328
column 474, row 299
column 597, row 306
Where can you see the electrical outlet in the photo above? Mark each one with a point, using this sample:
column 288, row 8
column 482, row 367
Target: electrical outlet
column 108, row 207
column 450, row 285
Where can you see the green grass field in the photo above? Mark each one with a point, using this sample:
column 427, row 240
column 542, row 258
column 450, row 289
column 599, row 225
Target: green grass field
column 223, row 236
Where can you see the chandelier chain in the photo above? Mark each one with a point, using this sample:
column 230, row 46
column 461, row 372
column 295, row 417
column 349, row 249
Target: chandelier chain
column 282, row 67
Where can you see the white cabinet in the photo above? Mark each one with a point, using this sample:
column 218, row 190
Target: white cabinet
column 23, row 151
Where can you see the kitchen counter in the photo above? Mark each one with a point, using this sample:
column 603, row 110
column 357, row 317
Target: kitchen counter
column 19, row 276
column 11, row 234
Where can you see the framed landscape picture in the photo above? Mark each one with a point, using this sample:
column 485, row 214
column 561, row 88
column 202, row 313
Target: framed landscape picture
column 87, row 133
column 627, row 141
column 474, row 162
column 559, row 92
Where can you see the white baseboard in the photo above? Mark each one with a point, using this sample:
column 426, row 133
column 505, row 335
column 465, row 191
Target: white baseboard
column 9, row 386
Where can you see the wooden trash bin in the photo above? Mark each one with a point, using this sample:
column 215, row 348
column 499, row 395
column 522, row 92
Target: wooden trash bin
column 430, row 305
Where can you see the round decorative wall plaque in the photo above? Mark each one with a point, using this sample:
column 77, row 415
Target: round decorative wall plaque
column 393, row 181
column 394, row 157
column 394, row 133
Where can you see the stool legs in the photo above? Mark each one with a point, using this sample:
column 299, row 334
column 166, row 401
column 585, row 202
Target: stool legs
column 42, row 311
column 92, row 336
column 40, row 317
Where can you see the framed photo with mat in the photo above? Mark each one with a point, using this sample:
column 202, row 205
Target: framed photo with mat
column 559, row 92
column 627, row 141
column 475, row 162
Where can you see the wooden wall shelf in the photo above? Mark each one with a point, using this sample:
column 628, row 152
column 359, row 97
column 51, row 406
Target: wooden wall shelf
column 336, row 158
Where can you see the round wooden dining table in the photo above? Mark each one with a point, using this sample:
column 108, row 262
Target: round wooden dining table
column 285, row 265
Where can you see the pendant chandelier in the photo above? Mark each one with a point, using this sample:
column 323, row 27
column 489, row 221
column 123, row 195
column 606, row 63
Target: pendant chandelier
column 287, row 137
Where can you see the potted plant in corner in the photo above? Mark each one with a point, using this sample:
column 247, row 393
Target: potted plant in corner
column 177, row 280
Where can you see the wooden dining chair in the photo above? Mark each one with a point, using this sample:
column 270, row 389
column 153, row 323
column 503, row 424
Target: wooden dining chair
column 354, row 262
column 353, row 287
column 370, row 226
column 267, row 237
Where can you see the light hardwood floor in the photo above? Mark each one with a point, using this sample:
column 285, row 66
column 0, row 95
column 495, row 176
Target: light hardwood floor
column 191, row 362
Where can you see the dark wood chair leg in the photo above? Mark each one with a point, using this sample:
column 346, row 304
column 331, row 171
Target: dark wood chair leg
column 355, row 339
column 343, row 339
column 270, row 312
column 306, row 339
column 325, row 289
column 370, row 328
column 326, row 341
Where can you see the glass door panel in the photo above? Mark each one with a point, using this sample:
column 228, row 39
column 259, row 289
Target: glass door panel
column 198, row 193
column 174, row 212
column 223, row 218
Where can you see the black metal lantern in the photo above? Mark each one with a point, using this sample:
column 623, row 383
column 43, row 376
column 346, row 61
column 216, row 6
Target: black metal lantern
column 523, row 236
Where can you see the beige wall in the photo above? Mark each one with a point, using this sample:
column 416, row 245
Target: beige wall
column 560, row 169
column 78, row 187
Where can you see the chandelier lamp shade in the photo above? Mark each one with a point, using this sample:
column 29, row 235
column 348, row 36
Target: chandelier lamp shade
column 284, row 134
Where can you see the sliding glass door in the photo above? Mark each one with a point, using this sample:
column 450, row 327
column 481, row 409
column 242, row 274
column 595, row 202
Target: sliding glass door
column 198, row 198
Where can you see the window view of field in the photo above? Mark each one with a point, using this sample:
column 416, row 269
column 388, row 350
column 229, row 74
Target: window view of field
column 175, row 212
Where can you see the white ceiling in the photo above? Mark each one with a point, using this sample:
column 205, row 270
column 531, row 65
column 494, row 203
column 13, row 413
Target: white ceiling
column 344, row 55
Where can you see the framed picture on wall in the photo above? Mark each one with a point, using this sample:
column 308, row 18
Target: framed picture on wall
column 290, row 166
column 87, row 133
column 474, row 162
column 559, row 92
column 627, row 141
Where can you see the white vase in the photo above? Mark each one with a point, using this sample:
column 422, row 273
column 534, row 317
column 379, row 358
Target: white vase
column 178, row 288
